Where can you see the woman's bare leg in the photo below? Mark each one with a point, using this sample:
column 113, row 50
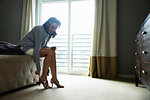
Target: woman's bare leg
column 49, row 61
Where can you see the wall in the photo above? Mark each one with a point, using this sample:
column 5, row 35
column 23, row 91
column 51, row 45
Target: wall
column 10, row 20
column 131, row 14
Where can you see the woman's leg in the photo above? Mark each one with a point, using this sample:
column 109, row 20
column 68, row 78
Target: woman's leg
column 49, row 61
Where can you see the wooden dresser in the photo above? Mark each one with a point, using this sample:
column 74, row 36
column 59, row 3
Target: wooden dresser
column 142, row 67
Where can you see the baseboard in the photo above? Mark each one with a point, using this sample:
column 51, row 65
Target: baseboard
column 126, row 76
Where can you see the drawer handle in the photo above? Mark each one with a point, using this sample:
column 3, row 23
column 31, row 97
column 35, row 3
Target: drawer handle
column 136, row 67
column 136, row 53
column 144, row 32
column 144, row 52
column 136, row 40
column 143, row 72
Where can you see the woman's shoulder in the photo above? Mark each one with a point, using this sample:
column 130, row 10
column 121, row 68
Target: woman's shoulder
column 38, row 27
column 35, row 28
column 40, row 31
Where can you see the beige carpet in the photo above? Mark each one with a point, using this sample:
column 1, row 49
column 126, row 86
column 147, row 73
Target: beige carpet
column 82, row 88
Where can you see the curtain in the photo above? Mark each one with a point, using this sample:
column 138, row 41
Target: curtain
column 27, row 22
column 104, row 57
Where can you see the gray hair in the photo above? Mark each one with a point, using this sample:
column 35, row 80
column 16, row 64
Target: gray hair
column 50, row 21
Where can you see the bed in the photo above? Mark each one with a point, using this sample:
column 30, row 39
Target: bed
column 17, row 70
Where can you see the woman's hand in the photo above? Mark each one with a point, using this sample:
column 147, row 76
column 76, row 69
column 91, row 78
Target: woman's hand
column 37, row 73
column 53, row 48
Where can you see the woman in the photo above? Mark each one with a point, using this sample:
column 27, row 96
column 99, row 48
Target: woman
column 34, row 44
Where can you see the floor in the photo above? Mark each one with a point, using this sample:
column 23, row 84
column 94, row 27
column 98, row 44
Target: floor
column 82, row 88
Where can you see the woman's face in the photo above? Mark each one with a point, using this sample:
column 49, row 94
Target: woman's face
column 53, row 27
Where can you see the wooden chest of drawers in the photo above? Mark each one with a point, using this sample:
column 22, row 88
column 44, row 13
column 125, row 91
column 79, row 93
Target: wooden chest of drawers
column 142, row 67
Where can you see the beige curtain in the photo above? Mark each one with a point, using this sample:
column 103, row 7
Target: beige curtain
column 27, row 22
column 104, row 57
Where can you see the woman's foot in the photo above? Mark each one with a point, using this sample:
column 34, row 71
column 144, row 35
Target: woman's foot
column 44, row 83
column 56, row 82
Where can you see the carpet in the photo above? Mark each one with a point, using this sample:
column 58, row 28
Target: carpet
column 82, row 88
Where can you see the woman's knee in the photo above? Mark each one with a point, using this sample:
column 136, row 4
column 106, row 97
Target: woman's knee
column 45, row 52
column 51, row 52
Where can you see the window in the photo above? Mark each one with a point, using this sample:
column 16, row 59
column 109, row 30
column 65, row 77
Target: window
column 74, row 37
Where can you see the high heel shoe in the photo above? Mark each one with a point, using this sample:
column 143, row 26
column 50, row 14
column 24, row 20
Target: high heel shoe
column 56, row 82
column 44, row 83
